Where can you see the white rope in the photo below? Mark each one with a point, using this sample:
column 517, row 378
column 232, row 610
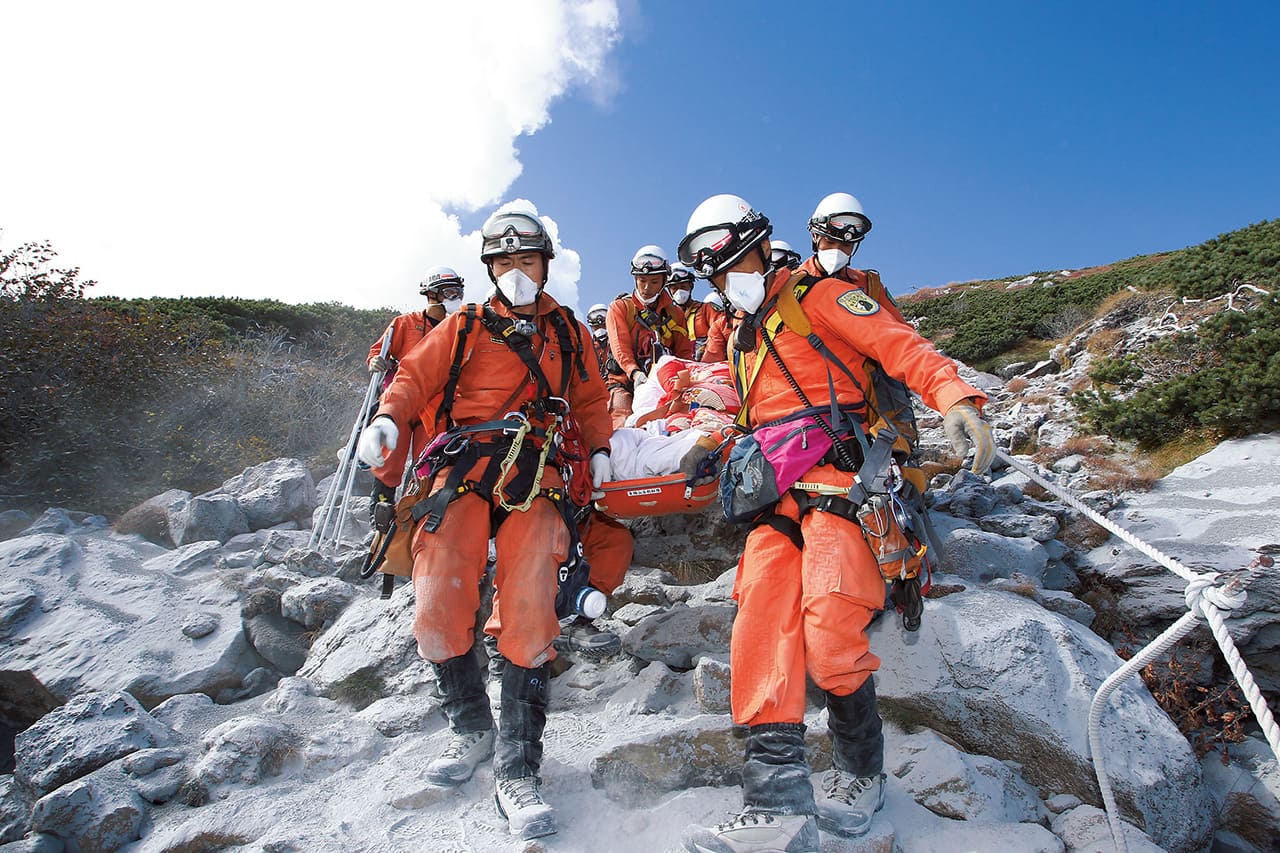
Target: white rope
column 1101, row 520
column 1205, row 599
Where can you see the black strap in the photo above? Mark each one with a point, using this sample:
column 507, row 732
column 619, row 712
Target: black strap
column 828, row 428
column 787, row 528
column 388, row 585
column 445, row 416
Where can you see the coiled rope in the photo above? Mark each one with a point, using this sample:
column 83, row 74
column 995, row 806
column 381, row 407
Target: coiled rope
column 1206, row 599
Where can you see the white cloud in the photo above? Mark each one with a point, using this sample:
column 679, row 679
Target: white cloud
column 302, row 151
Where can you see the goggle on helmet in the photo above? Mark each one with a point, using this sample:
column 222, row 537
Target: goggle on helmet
column 713, row 248
column 512, row 233
column 680, row 277
column 845, row 227
column 649, row 264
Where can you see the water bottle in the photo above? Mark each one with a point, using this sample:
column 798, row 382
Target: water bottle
column 589, row 602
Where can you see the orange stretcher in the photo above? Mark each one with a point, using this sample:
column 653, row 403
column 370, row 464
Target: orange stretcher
column 664, row 495
column 668, row 494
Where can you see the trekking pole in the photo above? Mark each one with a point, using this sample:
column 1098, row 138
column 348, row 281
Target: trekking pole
column 346, row 465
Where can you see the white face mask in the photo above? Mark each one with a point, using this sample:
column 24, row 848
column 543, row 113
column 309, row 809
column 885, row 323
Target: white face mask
column 681, row 297
column 833, row 260
column 451, row 305
column 600, row 334
column 648, row 300
column 744, row 290
column 518, row 288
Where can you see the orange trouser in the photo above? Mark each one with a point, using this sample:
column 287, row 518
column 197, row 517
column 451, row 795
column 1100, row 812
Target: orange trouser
column 391, row 472
column 608, row 547
column 448, row 566
column 802, row 610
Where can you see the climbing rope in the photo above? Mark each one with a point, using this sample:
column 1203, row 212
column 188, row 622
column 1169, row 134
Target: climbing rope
column 1206, row 599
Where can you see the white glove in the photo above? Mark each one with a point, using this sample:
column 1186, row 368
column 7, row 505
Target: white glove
column 378, row 364
column 601, row 472
column 638, row 377
column 963, row 426
column 381, row 433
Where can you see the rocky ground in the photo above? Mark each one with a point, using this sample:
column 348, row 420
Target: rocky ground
column 197, row 679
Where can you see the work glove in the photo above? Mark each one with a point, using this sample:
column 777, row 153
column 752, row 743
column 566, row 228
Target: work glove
column 700, row 464
column 381, row 433
column 638, row 376
column 601, row 472
column 965, row 426
column 378, row 364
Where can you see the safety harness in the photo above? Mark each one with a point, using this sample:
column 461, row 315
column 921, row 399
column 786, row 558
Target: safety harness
column 880, row 498
column 519, row 446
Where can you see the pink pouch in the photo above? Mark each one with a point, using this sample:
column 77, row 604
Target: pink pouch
column 792, row 448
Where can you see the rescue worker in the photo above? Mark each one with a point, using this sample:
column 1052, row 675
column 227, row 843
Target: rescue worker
column 443, row 289
column 526, row 357
column 783, row 255
column 837, row 228
column 599, row 334
column 808, row 583
column 680, row 287
column 643, row 326
column 716, row 347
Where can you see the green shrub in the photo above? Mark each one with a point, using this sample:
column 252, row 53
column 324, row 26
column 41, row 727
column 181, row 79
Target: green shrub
column 105, row 402
column 1235, row 393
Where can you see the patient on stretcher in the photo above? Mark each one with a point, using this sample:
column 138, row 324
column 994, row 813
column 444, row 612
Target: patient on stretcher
column 681, row 402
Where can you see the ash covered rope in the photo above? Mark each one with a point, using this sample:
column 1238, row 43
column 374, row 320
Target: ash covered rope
column 1205, row 600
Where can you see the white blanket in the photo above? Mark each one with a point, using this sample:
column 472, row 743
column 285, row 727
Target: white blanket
column 637, row 453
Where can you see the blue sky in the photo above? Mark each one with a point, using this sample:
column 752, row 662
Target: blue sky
column 984, row 139
column 325, row 162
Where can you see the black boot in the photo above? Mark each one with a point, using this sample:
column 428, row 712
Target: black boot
column 857, row 743
column 853, row 790
column 518, row 752
column 777, row 799
column 466, row 705
column 775, row 776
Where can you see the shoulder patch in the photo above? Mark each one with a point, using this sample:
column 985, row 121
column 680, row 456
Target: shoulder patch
column 858, row 303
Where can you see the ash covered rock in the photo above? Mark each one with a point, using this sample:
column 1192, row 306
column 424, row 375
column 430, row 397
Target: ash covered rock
column 1012, row 681
column 274, row 492
column 88, row 732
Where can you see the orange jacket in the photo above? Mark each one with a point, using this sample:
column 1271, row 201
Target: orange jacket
column 406, row 331
column 717, row 348
column 699, row 320
column 855, row 328
column 494, row 380
column 629, row 340
column 870, row 284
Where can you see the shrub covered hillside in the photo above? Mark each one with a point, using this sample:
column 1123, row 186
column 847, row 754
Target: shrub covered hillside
column 986, row 323
column 105, row 402
column 1218, row 377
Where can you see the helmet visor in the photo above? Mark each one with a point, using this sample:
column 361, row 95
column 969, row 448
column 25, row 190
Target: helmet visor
column 649, row 264
column 845, row 227
column 510, row 233
column 596, row 319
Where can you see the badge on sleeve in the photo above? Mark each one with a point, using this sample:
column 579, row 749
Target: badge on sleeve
column 858, row 303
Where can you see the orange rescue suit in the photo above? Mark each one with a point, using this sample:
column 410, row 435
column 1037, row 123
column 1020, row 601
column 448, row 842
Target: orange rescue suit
column 807, row 609
column 407, row 331
column 449, row 564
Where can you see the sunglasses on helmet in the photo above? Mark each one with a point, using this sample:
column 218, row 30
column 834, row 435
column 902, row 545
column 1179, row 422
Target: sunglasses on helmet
column 845, row 227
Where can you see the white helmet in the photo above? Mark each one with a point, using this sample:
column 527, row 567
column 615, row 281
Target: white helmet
column 720, row 231
column 840, row 217
column 714, row 299
column 511, row 232
column 648, row 260
column 596, row 313
column 782, row 255
column 438, row 278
